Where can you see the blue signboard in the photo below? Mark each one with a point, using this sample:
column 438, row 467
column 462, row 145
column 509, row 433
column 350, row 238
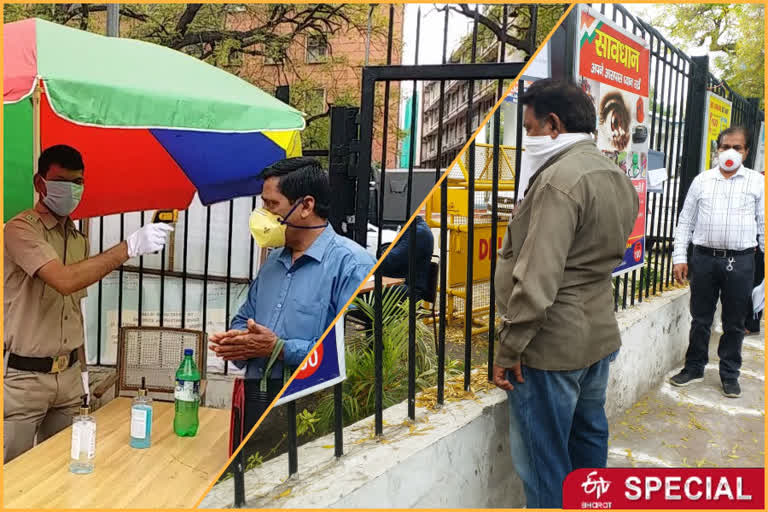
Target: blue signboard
column 324, row 367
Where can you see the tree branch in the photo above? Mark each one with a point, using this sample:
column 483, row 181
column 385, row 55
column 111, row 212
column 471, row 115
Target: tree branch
column 491, row 25
column 316, row 117
column 187, row 17
column 84, row 17
column 86, row 9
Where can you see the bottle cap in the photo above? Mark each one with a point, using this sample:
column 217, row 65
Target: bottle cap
column 143, row 388
column 84, row 409
column 188, row 351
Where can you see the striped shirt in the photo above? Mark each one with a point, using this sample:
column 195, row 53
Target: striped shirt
column 722, row 213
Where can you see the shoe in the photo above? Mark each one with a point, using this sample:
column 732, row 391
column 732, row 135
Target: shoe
column 731, row 388
column 685, row 377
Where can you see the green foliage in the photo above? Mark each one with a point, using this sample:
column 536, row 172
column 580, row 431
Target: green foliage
column 305, row 423
column 547, row 18
column 733, row 33
column 358, row 397
column 256, row 459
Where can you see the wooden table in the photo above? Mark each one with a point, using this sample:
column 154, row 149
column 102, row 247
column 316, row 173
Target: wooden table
column 174, row 472
column 386, row 282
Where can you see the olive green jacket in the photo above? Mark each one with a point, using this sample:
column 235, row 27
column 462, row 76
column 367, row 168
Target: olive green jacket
column 553, row 273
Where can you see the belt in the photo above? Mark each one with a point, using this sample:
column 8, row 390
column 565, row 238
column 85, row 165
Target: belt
column 722, row 253
column 42, row 364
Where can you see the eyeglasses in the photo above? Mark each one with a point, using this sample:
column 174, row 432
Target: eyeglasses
column 726, row 147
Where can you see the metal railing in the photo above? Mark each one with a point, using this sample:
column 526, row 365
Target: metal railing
column 370, row 123
column 678, row 84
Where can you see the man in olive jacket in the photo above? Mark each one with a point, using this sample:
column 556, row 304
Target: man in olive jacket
column 558, row 333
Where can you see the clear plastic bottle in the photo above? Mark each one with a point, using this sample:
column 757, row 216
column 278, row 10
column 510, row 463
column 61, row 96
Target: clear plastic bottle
column 83, row 451
column 187, row 395
column 141, row 419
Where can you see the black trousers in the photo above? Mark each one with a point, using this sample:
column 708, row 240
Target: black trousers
column 252, row 405
column 752, row 322
column 710, row 280
column 256, row 402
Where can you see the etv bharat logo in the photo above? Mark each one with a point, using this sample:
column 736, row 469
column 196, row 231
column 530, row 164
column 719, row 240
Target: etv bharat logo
column 599, row 486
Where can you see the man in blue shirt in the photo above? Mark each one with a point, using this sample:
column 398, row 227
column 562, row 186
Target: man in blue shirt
column 396, row 262
column 396, row 265
column 302, row 286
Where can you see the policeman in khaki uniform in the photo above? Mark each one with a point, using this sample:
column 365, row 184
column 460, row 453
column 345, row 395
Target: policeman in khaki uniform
column 47, row 271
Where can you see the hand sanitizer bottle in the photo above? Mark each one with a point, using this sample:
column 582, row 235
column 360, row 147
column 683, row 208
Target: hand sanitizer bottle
column 83, row 441
column 141, row 419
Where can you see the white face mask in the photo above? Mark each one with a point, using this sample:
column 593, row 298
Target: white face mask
column 62, row 197
column 729, row 160
column 540, row 148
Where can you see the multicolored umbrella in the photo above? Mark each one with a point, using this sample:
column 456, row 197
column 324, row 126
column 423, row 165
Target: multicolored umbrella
column 154, row 125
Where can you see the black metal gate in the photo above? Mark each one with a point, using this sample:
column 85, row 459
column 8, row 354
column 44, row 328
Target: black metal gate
column 677, row 105
column 357, row 203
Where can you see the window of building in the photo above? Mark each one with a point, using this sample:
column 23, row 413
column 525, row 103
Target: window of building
column 314, row 101
column 317, row 48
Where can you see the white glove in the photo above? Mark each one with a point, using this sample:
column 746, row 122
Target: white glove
column 151, row 238
column 86, row 386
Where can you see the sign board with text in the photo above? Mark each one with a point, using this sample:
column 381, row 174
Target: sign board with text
column 612, row 67
column 717, row 119
column 481, row 254
column 324, row 367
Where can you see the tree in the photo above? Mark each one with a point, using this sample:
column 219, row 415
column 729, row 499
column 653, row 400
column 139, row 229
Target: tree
column 733, row 33
column 491, row 32
column 243, row 38
column 210, row 32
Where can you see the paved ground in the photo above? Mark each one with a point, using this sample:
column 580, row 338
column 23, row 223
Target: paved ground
column 696, row 426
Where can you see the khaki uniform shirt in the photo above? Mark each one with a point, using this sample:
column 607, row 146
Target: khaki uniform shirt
column 553, row 274
column 39, row 321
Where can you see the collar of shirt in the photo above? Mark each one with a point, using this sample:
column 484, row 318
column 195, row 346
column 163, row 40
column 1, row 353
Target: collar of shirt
column 719, row 175
column 316, row 251
column 49, row 219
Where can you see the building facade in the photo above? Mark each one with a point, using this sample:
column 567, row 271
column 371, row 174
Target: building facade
column 323, row 70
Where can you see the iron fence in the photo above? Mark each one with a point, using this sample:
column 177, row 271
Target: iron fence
column 677, row 103
column 355, row 174
column 676, row 126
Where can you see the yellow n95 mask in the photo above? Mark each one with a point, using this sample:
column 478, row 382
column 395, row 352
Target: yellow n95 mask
column 268, row 229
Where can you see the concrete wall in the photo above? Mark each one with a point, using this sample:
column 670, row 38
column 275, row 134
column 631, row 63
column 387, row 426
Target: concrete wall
column 458, row 456
column 654, row 338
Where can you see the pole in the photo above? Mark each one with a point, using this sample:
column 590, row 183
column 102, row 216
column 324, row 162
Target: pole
column 694, row 126
column 113, row 20
column 35, row 134
column 368, row 34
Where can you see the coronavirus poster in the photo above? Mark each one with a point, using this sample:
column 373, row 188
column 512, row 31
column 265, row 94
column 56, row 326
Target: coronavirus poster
column 324, row 367
column 612, row 67
column 717, row 119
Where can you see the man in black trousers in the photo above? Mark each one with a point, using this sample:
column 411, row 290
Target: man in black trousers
column 723, row 216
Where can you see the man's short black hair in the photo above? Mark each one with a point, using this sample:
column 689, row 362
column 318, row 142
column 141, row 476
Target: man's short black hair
column 65, row 156
column 564, row 99
column 302, row 176
column 733, row 130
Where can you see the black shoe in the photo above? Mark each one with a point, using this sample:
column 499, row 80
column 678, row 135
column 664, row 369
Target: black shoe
column 685, row 377
column 731, row 388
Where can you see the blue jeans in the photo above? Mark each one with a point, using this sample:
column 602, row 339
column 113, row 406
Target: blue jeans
column 557, row 425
